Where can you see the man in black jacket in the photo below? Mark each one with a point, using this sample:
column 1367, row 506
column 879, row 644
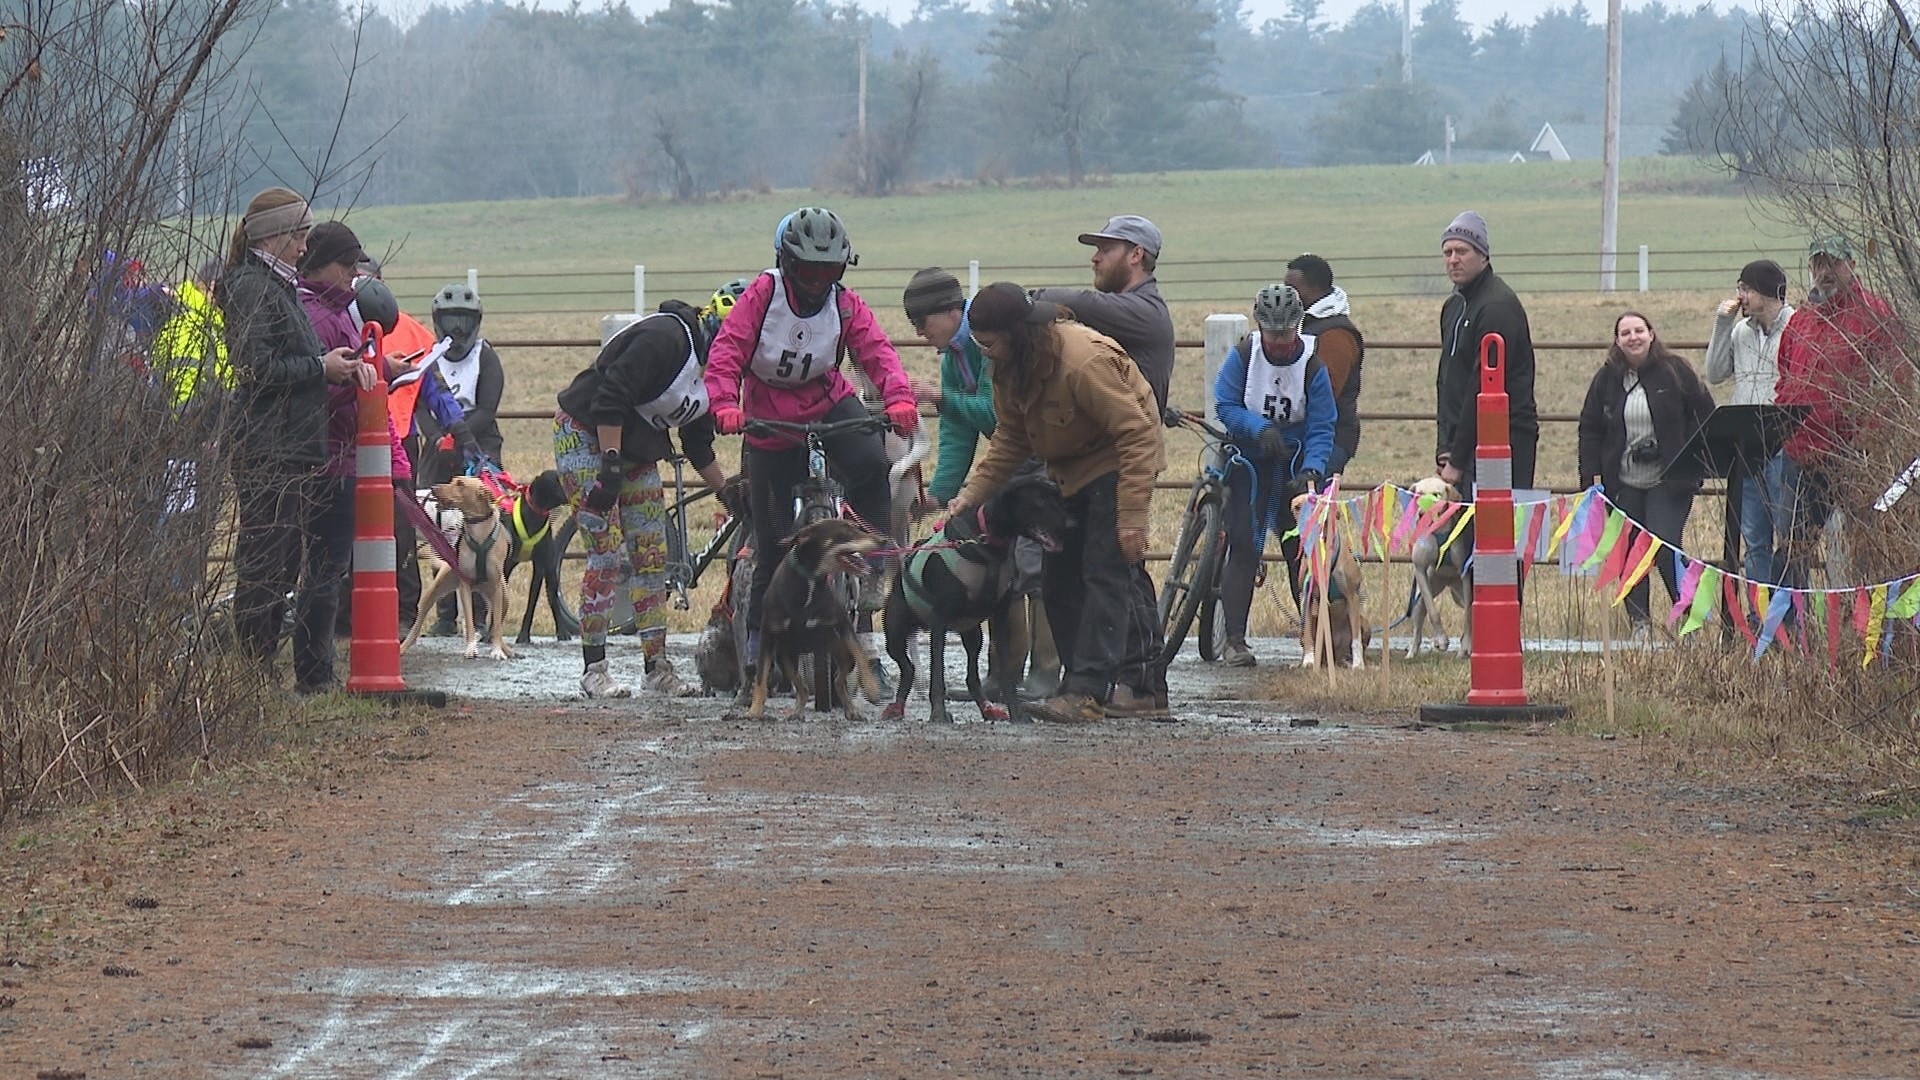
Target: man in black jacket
column 1481, row 305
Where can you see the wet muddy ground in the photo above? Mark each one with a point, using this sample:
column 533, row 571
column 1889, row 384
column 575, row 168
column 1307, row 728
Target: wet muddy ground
column 545, row 888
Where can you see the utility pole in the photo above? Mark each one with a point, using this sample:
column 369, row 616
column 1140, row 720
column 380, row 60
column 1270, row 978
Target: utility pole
column 1610, row 152
column 1406, row 41
column 863, row 104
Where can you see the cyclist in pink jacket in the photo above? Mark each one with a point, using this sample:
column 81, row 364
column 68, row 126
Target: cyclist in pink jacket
column 777, row 357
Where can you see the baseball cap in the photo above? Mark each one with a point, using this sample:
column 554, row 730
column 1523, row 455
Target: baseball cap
column 1132, row 228
column 1834, row 246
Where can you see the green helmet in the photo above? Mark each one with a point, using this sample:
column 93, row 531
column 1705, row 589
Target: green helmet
column 1278, row 307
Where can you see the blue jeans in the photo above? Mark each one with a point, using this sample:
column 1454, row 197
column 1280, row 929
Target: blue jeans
column 1764, row 513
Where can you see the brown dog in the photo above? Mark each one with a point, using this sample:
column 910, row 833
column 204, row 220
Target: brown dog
column 1349, row 631
column 482, row 548
column 804, row 614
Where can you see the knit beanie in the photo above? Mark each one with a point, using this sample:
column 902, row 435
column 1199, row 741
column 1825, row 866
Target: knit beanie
column 1470, row 227
column 1765, row 277
column 331, row 242
column 932, row 291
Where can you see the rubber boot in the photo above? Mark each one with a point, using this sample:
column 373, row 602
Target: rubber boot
column 1043, row 676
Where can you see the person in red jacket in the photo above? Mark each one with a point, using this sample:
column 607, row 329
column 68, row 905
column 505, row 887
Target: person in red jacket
column 1829, row 353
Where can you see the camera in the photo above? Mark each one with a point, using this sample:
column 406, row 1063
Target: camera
column 1645, row 452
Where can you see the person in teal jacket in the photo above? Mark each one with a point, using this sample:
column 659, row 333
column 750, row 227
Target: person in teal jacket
column 938, row 311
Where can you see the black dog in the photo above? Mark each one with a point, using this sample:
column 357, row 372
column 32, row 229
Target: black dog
column 527, row 516
column 961, row 577
column 804, row 614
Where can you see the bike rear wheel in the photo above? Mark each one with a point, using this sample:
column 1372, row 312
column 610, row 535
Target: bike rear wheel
column 1192, row 575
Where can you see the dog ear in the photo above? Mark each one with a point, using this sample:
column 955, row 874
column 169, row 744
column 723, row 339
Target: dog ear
column 546, row 490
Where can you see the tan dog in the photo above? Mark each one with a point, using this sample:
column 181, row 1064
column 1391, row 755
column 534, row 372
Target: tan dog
column 1434, row 574
column 1349, row 632
column 483, row 546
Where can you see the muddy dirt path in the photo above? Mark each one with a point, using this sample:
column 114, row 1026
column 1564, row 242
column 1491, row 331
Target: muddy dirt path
column 648, row 890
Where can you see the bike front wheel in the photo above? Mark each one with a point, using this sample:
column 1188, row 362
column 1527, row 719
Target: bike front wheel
column 1192, row 574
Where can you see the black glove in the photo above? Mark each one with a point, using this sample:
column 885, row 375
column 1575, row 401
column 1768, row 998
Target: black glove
column 1169, row 416
column 463, row 439
column 606, row 490
column 1304, row 479
column 1273, row 445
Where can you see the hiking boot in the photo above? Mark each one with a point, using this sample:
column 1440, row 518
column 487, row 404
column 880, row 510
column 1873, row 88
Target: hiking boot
column 443, row 627
column 1132, row 704
column 1068, row 709
column 1236, row 654
column 663, row 681
column 597, row 683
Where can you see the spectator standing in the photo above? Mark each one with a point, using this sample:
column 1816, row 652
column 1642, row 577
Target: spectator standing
column 1745, row 349
column 1276, row 399
column 1481, row 305
column 1125, row 304
column 1337, row 344
column 279, row 426
column 1830, row 353
column 1641, row 408
column 190, row 350
column 471, row 370
column 1073, row 398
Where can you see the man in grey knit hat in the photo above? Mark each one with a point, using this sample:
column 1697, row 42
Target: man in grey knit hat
column 1481, row 305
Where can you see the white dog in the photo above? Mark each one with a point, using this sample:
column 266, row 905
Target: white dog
column 1433, row 575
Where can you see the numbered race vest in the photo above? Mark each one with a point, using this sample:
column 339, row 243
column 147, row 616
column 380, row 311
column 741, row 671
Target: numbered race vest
column 791, row 350
column 685, row 398
column 1277, row 391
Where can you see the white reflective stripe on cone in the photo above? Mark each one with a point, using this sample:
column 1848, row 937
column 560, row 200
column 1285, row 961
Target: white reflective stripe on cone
column 373, row 460
column 374, row 555
column 1495, row 568
column 1495, row 473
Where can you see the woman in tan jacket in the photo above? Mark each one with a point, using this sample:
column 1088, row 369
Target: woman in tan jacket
column 1074, row 399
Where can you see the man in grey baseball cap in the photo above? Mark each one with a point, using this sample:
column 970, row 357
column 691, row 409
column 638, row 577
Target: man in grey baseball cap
column 1125, row 302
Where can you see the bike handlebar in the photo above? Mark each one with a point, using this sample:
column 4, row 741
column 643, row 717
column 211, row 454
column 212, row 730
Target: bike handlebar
column 1200, row 423
column 870, row 422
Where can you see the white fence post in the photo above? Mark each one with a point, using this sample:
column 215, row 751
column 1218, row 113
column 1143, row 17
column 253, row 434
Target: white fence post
column 473, row 279
column 1643, row 268
column 973, row 277
column 1221, row 333
column 639, row 289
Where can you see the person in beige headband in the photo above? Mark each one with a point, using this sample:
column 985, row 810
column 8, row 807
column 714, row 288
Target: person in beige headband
column 277, row 430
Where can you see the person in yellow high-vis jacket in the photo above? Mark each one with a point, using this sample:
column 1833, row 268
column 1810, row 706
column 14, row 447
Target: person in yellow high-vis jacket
column 192, row 345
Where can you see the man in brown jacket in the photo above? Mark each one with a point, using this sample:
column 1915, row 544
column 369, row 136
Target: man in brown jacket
column 1076, row 400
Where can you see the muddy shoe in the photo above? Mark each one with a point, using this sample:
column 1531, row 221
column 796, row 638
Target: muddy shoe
column 1068, row 709
column 443, row 628
column 1135, row 705
column 1236, row 654
column 598, row 683
column 663, row 681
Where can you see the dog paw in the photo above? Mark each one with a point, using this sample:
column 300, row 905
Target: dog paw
column 473, row 652
column 502, row 653
column 1359, row 662
column 1306, row 659
column 994, row 713
column 893, row 713
column 936, row 715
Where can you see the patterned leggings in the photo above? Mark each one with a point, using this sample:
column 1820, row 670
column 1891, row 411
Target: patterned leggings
column 638, row 525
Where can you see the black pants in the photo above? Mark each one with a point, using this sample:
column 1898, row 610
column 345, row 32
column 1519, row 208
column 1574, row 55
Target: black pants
column 1242, row 565
column 1102, row 610
column 858, row 460
column 279, row 509
column 329, row 552
column 1663, row 510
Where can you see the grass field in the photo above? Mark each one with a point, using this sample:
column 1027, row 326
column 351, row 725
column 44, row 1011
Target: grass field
column 549, row 269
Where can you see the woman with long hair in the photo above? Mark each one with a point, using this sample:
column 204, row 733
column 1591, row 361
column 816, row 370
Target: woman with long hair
column 1643, row 405
column 1074, row 399
column 279, row 429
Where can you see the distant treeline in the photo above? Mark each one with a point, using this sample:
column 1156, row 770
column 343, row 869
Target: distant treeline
column 489, row 101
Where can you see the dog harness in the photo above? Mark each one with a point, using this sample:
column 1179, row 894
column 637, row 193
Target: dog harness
column 527, row 540
column 482, row 547
column 945, row 548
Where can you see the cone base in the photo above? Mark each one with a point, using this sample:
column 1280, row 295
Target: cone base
column 1444, row 715
column 434, row 699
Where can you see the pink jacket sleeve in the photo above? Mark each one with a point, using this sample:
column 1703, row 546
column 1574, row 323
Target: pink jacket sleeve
column 732, row 347
column 868, row 345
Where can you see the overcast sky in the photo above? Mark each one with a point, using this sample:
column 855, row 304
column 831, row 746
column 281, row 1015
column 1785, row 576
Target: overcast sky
column 1477, row 12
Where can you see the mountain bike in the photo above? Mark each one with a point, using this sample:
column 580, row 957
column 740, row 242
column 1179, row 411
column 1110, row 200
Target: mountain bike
column 1192, row 586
